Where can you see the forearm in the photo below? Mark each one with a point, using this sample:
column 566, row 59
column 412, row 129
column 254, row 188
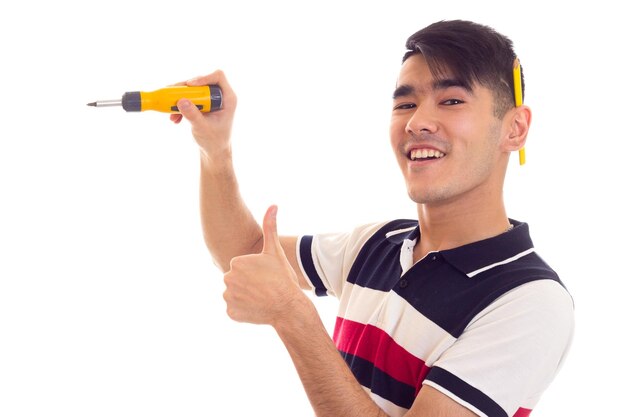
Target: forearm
column 228, row 226
column 331, row 387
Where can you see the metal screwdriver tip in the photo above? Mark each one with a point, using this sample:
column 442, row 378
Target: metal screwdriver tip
column 92, row 104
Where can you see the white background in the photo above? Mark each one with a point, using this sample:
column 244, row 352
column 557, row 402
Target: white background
column 109, row 302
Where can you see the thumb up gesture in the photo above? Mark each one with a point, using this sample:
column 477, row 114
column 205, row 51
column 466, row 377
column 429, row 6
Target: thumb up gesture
column 262, row 288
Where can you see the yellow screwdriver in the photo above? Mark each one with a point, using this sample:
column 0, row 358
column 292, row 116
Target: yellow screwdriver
column 207, row 98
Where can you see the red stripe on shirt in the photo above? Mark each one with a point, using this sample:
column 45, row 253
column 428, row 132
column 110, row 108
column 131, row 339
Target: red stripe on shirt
column 374, row 345
column 522, row 412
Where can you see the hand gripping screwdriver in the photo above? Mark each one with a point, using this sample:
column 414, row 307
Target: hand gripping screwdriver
column 207, row 98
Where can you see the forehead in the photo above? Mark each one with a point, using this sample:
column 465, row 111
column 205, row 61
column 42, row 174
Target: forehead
column 416, row 68
column 416, row 76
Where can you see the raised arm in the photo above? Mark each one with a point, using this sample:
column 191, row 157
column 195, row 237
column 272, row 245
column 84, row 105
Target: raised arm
column 229, row 228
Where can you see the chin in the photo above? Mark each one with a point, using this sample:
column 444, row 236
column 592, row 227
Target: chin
column 419, row 198
column 429, row 196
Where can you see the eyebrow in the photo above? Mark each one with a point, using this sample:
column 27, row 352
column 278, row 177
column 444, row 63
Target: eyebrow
column 405, row 90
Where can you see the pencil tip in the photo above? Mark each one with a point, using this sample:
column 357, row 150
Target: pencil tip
column 92, row 104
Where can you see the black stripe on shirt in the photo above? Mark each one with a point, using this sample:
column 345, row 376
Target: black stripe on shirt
column 466, row 392
column 306, row 258
column 379, row 382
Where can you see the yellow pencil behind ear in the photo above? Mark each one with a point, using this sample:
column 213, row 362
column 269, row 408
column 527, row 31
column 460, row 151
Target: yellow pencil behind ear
column 519, row 99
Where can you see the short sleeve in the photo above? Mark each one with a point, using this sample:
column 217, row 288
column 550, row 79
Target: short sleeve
column 510, row 352
column 325, row 259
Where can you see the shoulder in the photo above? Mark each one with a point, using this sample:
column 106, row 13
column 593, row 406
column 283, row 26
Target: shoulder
column 541, row 302
column 360, row 235
column 520, row 341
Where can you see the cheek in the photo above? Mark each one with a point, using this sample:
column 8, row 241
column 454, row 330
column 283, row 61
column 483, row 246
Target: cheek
column 476, row 134
column 396, row 131
column 466, row 126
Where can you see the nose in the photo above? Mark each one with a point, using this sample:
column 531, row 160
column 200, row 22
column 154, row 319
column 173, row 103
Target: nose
column 422, row 120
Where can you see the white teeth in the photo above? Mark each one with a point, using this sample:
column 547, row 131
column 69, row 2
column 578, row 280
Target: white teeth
column 425, row 153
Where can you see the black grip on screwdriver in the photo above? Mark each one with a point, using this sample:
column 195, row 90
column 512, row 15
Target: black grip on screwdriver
column 131, row 101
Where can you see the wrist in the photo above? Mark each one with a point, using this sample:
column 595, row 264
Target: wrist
column 216, row 162
column 301, row 315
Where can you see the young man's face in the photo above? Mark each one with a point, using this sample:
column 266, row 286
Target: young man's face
column 446, row 138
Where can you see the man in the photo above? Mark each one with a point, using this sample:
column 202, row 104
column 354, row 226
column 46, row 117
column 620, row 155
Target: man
column 451, row 315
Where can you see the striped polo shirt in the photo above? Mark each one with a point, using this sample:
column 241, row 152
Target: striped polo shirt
column 488, row 324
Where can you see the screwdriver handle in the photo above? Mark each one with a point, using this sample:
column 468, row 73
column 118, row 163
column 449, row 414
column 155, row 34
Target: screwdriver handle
column 207, row 98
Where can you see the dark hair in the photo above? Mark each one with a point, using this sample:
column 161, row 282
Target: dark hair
column 470, row 52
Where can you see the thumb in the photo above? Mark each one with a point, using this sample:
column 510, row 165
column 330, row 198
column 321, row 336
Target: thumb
column 271, row 241
column 189, row 110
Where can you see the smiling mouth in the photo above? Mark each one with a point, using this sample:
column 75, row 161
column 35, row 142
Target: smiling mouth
column 425, row 154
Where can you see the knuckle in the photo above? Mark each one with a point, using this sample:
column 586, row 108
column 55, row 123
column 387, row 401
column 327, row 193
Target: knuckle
column 228, row 279
column 232, row 313
column 235, row 262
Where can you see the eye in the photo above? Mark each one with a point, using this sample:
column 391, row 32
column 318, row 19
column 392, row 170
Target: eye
column 404, row 106
column 452, row 102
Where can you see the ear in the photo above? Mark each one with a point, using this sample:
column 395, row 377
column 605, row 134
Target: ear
column 517, row 123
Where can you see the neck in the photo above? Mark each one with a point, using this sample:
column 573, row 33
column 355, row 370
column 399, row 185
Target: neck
column 450, row 225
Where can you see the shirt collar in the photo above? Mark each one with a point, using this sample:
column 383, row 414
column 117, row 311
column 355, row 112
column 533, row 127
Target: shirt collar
column 474, row 258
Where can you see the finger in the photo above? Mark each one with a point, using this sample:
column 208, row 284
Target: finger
column 271, row 241
column 189, row 111
column 177, row 118
column 217, row 78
